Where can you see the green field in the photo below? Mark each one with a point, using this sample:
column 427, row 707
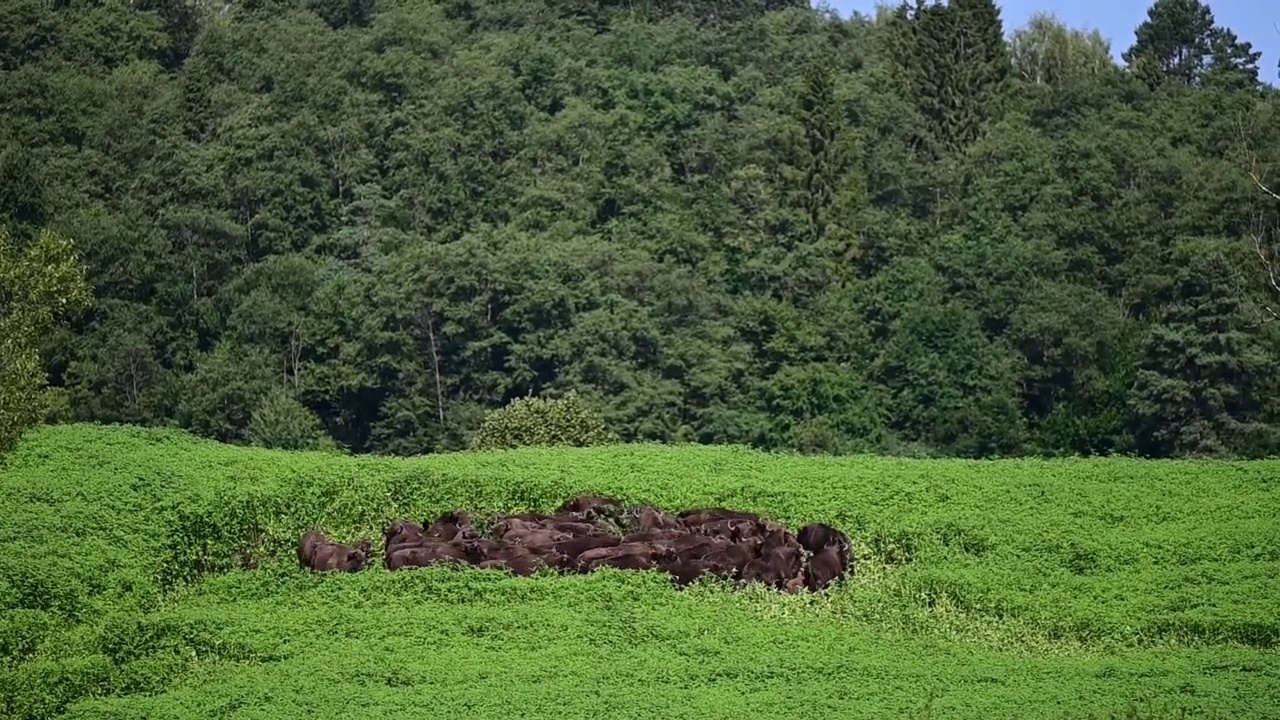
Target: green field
column 1001, row 589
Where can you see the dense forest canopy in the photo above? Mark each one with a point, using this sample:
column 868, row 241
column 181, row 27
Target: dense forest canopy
column 366, row 223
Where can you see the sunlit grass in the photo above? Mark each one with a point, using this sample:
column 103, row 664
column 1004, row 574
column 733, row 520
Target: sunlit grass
column 1099, row 588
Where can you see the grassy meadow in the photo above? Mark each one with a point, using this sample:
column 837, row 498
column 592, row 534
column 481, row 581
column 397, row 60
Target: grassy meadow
column 148, row 574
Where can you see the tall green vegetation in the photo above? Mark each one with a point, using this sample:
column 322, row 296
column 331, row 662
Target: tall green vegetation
column 1108, row 587
column 41, row 284
column 750, row 223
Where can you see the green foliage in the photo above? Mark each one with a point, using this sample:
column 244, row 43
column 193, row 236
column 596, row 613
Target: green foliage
column 697, row 214
column 282, row 422
column 1071, row 588
column 541, row 422
column 1045, row 51
column 954, row 60
column 1199, row 376
column 1180, row 42
column 41, row 284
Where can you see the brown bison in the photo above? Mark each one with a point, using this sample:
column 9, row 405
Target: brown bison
column 775, row 568
column 629, row 556
column 683, row 572
column 577, row 529
column 520, row 560
column 518, row 523
column 692, row 547
column 701, row 516
column 584, row 504
column 522, row 565
column 535, row 538
column 576, row 546
column 317, row 553
column 794, row 585
column 823, row 568
column 592, row 531
column 651, row 518
column 402, row 532
column 779, row 537
column 454, row 517
column 479, row 550
column 429, row 553
column 815, row 537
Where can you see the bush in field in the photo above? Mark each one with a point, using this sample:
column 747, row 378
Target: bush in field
column 535, row 421
column 283, row 423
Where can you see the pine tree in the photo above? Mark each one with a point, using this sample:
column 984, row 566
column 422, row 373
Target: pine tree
column 1234, row 63
column 821, row 119
column 1179, row 42
column 1197, row 390
column 955, row 62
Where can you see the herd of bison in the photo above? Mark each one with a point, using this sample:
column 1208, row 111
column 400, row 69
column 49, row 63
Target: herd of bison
column 590, row 532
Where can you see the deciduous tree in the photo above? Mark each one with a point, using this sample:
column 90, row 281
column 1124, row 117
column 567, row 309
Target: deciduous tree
column 42, row 285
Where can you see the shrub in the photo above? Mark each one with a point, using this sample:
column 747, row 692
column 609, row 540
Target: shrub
column 281, row 422
column 536, row 421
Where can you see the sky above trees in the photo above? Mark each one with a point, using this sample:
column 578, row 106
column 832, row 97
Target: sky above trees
column 1252, row 21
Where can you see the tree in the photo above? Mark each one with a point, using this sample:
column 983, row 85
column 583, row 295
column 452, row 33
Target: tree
column 1266, row 243
column 954, row 61
column 1179, row 42
column 789, row 230
column 952, row 64
column 1047, row 52
column 40, row 286
column 1267, row 248
column 822, row 123
column 1197, row 389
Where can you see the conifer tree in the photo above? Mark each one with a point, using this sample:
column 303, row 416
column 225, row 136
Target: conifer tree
column 1179, row 42
column 821, row 119
column 1197, row 389
column 955, row 62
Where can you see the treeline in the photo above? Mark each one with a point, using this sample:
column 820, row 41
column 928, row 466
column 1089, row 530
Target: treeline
column 369, row 222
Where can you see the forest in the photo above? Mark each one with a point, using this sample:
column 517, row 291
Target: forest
column 365, row 224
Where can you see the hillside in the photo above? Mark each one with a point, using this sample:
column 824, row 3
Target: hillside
column 721, row 222
column 1053, row 588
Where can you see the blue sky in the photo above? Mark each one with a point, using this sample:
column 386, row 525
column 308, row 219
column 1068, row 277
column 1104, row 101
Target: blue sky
column 1251, row 20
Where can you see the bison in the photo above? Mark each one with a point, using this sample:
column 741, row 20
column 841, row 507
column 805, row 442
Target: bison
column 823, row 568
column 648, row 518
column 701, row 516
column 775, row 568
column 317, row 553
column 576, row 546
column 521, row 560
column 642, row 556
column 584, row 534
column 683, row 572
column 401, row 532
column 428, row 553
column 815, row 537
column 585, row 504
